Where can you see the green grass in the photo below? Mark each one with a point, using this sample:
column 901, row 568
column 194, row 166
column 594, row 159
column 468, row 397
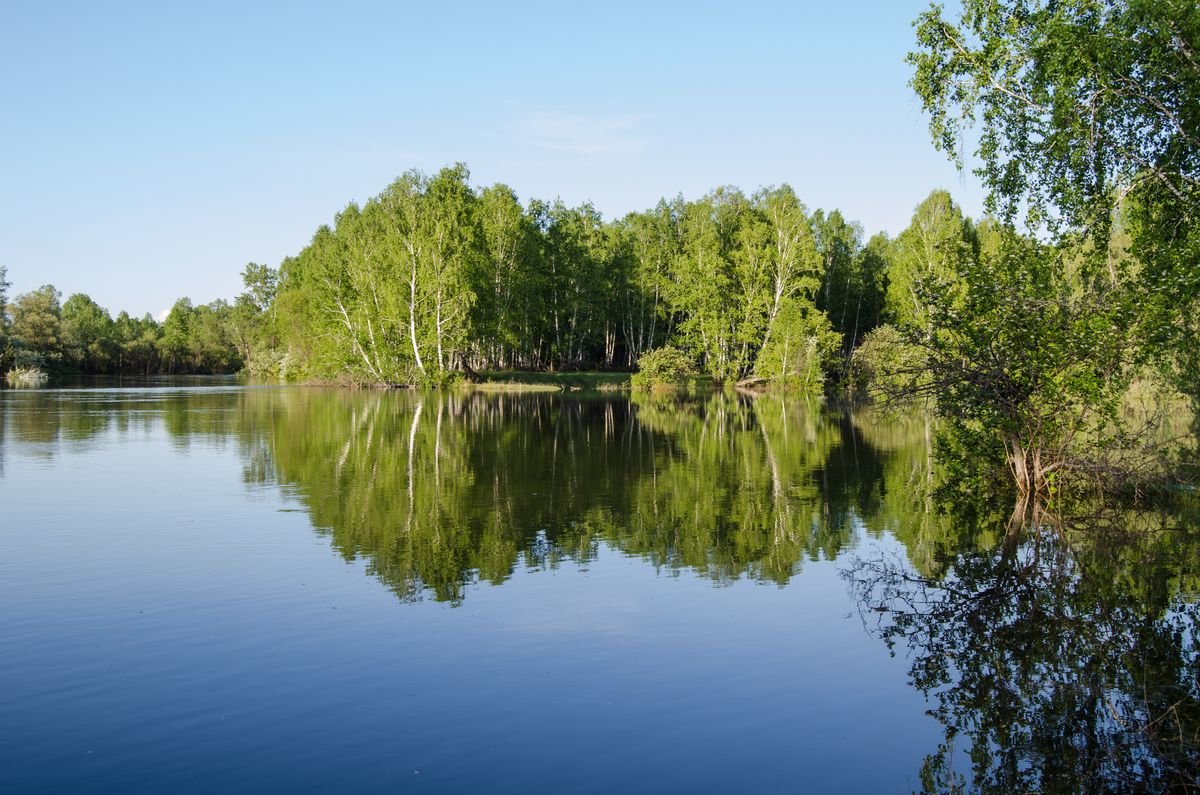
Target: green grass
column 520, row 381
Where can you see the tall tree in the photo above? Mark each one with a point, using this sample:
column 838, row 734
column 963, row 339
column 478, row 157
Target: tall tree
column 506, row 291
column 871, row 270
column 136, row 343
column 1085, row 106
column 455, row 247
column 576, row 256
column 261, row 283
column 928, row 258
column 839, row 245
column 176, row 337
column 87, row 333
column 794, row 266
column 705, row 289
column 37, row 324
column 652, row 241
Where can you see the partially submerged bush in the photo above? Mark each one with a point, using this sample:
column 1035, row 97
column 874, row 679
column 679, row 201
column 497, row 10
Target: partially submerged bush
column 26, row 376
column 663, row 367
column 886, row 366
column 267, row 363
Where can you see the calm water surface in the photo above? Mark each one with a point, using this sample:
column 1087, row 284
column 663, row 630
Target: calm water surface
column 289, row 589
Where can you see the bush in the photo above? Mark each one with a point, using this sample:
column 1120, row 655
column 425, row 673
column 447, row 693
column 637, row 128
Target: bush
column 665, row 366
column 26, row 376
column 885, row 366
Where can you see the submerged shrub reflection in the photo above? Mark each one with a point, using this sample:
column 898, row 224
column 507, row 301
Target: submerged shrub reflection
column 1062, row 659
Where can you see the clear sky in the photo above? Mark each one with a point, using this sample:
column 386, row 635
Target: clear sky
column 149, row 151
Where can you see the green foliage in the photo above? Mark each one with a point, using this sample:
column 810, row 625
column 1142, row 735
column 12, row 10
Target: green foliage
column 853, row 285
column 385, row 295
column 87, row 332
column 261, row 284
column 649, row 243
column 1089, row 115
column 37, row 325
column 1015, row 349
column 663, row 367
column 79, row 336
column 136, row 341
column 886, row 366
column 1078, row 101
column 927, row 260
column 506, row 309
column 741, row 261
column 803, row 347
column 433, row 276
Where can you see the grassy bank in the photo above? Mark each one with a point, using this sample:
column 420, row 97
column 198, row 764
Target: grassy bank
column 521, row 381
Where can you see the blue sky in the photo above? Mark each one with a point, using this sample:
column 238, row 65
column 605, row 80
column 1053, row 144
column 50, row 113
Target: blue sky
column 149, row 151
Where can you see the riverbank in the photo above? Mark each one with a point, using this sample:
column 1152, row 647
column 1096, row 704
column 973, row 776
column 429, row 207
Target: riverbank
column 528, row 381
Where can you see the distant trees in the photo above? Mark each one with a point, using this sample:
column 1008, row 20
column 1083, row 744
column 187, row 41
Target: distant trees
column 137, row 345
column 434, row 276
column 79, row 336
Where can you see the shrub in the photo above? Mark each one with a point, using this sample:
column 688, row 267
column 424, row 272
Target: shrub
column 885, row 365
column 665, row 366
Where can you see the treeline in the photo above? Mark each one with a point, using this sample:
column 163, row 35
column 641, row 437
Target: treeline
column 434, row 276
column 39, row 332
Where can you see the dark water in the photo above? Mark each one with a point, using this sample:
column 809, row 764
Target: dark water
column 288, row 589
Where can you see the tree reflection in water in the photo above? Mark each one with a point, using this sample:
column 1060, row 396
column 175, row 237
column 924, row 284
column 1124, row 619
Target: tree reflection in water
column 1064, row 659
column 439, row 491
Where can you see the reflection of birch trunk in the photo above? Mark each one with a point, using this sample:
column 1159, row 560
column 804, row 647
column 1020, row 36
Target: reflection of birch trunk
column 437, row 449
column 779, row 506
column 928, row 467
column 412, row 444
column 357, row 420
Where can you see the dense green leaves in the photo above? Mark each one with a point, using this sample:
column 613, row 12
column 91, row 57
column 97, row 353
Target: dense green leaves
column 79, row 336
column 666, row 366
column 433, row 276
column 1089, row 119
column 37, row 328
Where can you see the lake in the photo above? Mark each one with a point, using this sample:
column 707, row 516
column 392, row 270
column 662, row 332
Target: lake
column 208, row 586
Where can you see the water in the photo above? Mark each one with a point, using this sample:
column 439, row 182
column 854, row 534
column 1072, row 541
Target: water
column 211, row 588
